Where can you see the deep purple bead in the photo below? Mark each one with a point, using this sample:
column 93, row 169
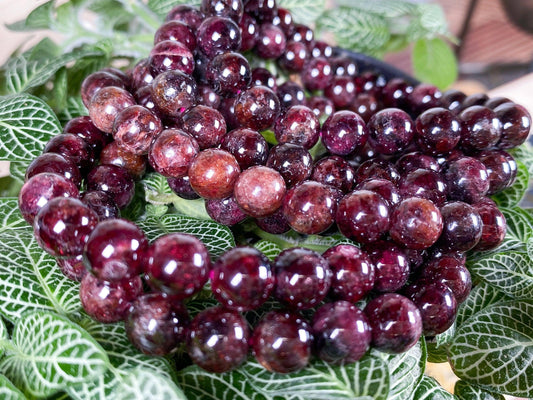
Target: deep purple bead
column 363, row 215
column 297, row 125
column 182, row 187
column 40, row 189
column 438, row 131
column 271, row 41
column 106, row 104
column 275, row 223
column 353, row 272
column 284, row 21
column 334, row 171
column 462, row 226
column 225, row 211
column 170, row 55
column 395, row 321
column 263, row 77
column 452, row 100
column 141, row 75
column 187, row 14
column 494, row 225
column 96, row 81
column 218, row 339
column 174, row 92
column 115, row 250
column 396, row 92
column 501, row 169
column 344, row 132
column 293, row 162
column 303, row 277
column 310, row 207
column 208, row 97
column 385, row 188
column 450, row 271
column 177, row 264
column 156, row 324
column 321, row 106
column 467, row 179
column 249, row 31
column 63, row 226
column 84, row 128
column 426, row 184
column 229, row 74
column 242, row 279
column 217, row 35
column 206, row 125
column 341, row 91
column 294, row 57
column 423, row 97
column 115, row 181
column 73, row 268
column 55, row 163
column 376, row 168
column 257, row 108
column 224, row 8
column 135, row 164
column 391, row 265
column 134, row 129
column 73, row 148
column 390, row 131
column 341, row 333
column 262, row 10
column 101, row 203
column 304, row 34
column 365, row 104
column 172, row 152
column 344, row 66
column 178, row 32
column 494, row 102
column 320, row 49
column 108, row 301
column 412, row 161
column 227, row 109
column 290, row 94
column 317, row 74
column 481, row 128
column 248, row 147
column 515, row 124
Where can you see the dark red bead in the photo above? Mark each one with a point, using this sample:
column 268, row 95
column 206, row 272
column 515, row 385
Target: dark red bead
column 115, row 181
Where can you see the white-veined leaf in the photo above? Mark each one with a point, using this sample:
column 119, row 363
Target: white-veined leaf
column 438, row 346
column 366, row 379
column 162, row 7
column 434, row 62
column 384, row 8
column 29, row 278
column 4, row 335
column 26, row 125
column 269, row 249
column 494, row 348
column 17, row 170
column 465, row 391
column 354, row 30
column 49, row 353
column 217, row 238
column 510, row 197
column 74, row 108
column 524, row 153
column 304, row 11
column 141, row 384
column 510, row 272
column 519, row 223
column 8, row 391
column 156, row 189
column 481, row 296
column 406, row 370
column 429, row 389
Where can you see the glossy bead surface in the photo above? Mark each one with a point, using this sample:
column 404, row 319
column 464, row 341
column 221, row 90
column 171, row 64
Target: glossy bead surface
column 115, row 250
column 281, row 342
column 271, row 41
column 101, row 203
column 172, row 152
column 85, row 129
column 416, row 223
column 156, row 324
column 423, row 97
column 263, row 77
column 501, row 169
column 452, row 99
column 106, row 104
column 290, row 94
column 451, row 272
column 297, row 125
column 206, row 125
column 257, row 108
column 334, row 171
column 229, row 74
column 293, row 162
column 341, row 91
column 170, row 55
column 40, row 189
column 213, row 173
column 225, row 211
column 217, row 35
column 134, row 129
column 317, row 74
column 242, row 279
column 73, row 267
column 462, row 227
column 466, row 179
column 481, row 128
column 248, row 147
column 412, row 161
column 249, row 31
column 377, row 169
column 73, row 148
column 385, row 188
column 108, row 301
column 391, row 265
column 174, row 93
column 426, row 184
column 294, row 57
column 224, row 8
column 182, row 188
column 113, row 154
column 259, row 191
column 310, row 207
column 187, row 14
column 303, row 277
column 63, row 226
column 344, row 132
column 515, row 123
column 353, row 272
column 113, row 180
column 178, row 32
column 494, row 225
column 177, row 264
column 363, row 215
column 395, row 321
column 390, row 131
column 341, row 332
column 438, row 131
column 218, row 339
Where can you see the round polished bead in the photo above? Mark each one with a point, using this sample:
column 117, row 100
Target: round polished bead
column 106, row 104
column 344, row 132
column 101, row 203
column 113, row 180
column 174, row 92
column 391, row 265
column 225, row 211
column 494, row 225
column 438, row 131
column 115, row 250
column 242, row 279
column 390, row 131
column 206, row 125
column 171, row 55
column 257, row 108
column 172, row 152
column 248, row 147
column 462, row 227
column 134, row 129
column 113, row 154
column 298, row 125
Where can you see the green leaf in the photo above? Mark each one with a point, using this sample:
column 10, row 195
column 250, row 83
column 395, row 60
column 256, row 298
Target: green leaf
column 524, row 153
column 293, row 239
column 406, row 370
column 365, row 379
column 162, row 7
column 510, row 197
column 434, row 62
column 48, row 353
column 23, row 73
column 39, row 18
column 481, row 296
column 141, row 384
column 217, row 238
column 519, row 223
column 465, row 391
column 8, row 391
column 74, row 108
column 354, row 30
column 438, row 345
column 432, row 18
column 510, row 272
column 269, row 249
column 26, row 125
column 9, row 186
column 29, row 278
column 383, row 8
column 494, row 348
column 4, row 335
column 304, row 12
column 429, row 389
column 17, row 170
